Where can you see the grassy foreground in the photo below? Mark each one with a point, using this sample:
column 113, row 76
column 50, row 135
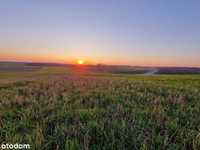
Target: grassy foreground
column 102, row 112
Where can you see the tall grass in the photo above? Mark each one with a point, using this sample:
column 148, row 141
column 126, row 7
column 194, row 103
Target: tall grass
column 90, row 112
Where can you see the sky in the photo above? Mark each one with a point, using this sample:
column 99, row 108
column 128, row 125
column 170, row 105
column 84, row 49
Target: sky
column 125, row 32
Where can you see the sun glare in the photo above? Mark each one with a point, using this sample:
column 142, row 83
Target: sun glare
column 80, row 62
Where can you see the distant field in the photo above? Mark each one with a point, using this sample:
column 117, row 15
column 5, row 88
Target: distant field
column 71, row 108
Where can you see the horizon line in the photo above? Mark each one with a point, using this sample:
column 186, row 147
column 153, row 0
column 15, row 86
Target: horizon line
column 103, row 64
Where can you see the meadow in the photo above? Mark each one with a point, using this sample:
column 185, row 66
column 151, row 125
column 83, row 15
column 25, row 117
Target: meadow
column 61, row 109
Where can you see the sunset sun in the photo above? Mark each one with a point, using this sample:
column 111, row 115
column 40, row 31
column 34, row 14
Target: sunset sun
column 80, row 62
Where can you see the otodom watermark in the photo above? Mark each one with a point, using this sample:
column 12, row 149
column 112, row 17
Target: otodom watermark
column 15, row 146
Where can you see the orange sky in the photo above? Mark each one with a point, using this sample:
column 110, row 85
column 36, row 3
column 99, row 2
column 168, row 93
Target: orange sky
column 6, row 56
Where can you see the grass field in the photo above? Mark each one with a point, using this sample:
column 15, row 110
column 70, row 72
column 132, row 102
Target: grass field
column 57, row 108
